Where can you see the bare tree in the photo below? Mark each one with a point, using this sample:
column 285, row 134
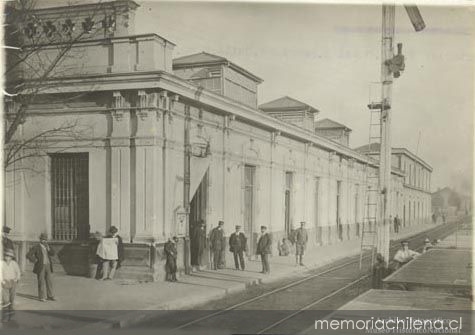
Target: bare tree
column 39, row 48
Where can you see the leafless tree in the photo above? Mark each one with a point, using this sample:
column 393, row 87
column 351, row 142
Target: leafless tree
column 37, row 47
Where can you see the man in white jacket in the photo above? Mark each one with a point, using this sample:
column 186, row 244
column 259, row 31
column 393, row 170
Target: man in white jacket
column 404, row 255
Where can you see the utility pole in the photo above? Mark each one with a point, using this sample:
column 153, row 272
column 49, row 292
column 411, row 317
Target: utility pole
column 391, row 67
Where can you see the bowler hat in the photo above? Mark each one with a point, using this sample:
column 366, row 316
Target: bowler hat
column 238, row 226
column 9, row 252
column 6, row 229
column 405, row 242
column 220, row 223
column 263, row 227
column 113, row 230
column 43, row 236
column 175, row 238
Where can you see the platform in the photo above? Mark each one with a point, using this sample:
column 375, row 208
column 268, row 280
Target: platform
column 438, row 270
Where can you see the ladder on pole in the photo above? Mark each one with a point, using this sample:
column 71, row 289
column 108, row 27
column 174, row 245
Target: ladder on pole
column 369, row 235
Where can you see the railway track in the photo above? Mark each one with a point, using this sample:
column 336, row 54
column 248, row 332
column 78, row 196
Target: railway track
column 284, row 309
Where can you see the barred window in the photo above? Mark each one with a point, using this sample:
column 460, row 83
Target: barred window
column 70, row 196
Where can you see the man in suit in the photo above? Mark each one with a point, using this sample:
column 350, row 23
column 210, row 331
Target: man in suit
column 264, row 246
column 6, row 242
column 301, row 239
column 238, row 245
column 217, row 245
column 43, row 268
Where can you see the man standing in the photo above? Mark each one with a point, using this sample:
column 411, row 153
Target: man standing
column 434, row 218
column 10, row 276
column 198, row 244
column 111, row 252
column 217, row 244
column 171, row 254
column 301, row 239
column 238, row 245
column 396, row 224
column 6, row 242
column 43, row 267
column 264, row 246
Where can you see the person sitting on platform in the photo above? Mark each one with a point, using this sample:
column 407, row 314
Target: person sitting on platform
column 405, row 255
column 427, row 245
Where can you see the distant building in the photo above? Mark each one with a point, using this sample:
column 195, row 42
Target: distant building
column 414, row 203
column 291, row 110
column 333, row 130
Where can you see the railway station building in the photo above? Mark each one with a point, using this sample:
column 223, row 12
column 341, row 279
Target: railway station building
column 140, row 116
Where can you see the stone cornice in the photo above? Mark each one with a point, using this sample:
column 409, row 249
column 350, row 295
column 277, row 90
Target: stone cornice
column 192, row 94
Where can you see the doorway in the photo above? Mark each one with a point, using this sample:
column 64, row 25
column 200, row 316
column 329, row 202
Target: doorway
column 288, row 201
column 198, row 208
column 249, row 198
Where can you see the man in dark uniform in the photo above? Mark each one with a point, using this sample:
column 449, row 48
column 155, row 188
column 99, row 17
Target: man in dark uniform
column 301, row 239
column 198, row 244
column 264, row 246
column 171, row 254
column 6, row 242
column 217, row 244
column 43, row 268
column 238, row 245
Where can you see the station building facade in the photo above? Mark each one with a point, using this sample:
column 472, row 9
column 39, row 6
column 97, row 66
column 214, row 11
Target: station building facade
column 413, row 204
column 161, row 144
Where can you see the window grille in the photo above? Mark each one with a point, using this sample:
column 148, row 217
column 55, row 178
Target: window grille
column 70, row 196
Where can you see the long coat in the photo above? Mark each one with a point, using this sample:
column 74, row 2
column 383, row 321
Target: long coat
column 35, row 255
column 171, row 254
column 217, row 240
column 264, row 244
column 237, row 242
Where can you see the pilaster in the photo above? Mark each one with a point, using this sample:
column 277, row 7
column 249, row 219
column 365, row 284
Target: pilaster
column 120, row 165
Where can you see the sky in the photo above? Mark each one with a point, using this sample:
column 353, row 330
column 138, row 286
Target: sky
column 328, row 56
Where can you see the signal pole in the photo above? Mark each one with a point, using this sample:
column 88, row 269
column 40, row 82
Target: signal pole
column 391, row 67
column 387, row 54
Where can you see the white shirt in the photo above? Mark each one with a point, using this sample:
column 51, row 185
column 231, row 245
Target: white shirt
column 108, row 248
column 10, row 271
column 404, row 256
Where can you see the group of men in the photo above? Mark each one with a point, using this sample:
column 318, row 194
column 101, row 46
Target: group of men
column 238, row 245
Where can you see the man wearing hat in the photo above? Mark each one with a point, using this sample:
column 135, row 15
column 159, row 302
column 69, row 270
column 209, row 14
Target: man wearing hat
column 217, row 245
column 6, row 242
column 43, row 268
column 301, row 239
column 238, row 245
column 405, row 254
column 264, row 246
column 10, row 276
column 171, row 254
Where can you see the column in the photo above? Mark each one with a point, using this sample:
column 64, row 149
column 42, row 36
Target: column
column 147, row 168
column 120, row 166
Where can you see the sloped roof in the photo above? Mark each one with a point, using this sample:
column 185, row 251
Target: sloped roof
column 330, row 124
column 207, row 59
column 366, row 148
column 287, row 103
column 201, row 57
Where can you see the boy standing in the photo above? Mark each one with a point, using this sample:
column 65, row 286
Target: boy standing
column 10, row 277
